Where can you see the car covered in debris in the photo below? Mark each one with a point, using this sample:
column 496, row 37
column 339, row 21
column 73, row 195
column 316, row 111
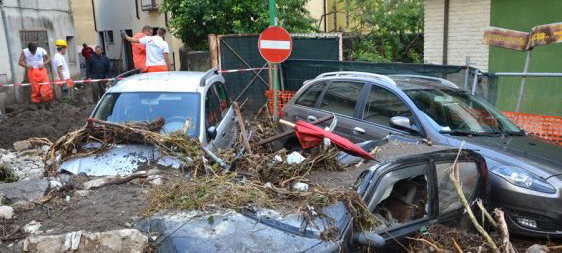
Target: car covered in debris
column 407, row 190
column 192, row 102
column 526, row 178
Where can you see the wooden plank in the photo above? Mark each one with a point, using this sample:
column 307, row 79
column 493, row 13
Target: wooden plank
column 242, row 127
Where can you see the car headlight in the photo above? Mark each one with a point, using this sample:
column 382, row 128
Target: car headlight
column 523, row 178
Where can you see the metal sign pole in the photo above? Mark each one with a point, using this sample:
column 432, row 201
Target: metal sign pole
column 273, row 22
column 523, row 81
column 467, row 73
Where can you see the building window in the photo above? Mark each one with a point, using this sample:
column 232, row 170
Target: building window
column 149, row 5
column 109, row 37
column 40, row 38
column 71, row 49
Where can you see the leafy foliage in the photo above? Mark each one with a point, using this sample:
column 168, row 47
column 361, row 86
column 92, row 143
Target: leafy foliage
column 388, row 30
column 193, row 20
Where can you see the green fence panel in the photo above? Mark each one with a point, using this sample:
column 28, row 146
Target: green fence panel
column 241, row 52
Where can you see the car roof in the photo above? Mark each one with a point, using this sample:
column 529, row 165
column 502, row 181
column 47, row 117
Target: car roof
column 415, row 82
column 174, row 81
column 402, row 82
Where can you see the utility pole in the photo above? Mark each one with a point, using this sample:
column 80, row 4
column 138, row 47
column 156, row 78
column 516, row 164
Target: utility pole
column 274, row 83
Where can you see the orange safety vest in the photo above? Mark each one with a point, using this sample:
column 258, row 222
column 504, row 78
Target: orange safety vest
column 139, row 53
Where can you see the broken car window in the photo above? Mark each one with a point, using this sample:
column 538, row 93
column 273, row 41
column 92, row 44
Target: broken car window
column 223, row 98
column 213, row 113
column 448, row 199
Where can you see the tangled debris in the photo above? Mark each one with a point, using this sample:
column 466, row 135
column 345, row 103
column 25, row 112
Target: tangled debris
column 439, row 238
column 107, row 134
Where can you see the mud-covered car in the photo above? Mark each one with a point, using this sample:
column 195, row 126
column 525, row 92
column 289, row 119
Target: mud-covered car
column 405, row 193
column 196, row 102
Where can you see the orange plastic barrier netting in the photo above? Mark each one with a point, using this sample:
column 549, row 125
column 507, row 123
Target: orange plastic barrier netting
column 545, row 127
column 282, row 98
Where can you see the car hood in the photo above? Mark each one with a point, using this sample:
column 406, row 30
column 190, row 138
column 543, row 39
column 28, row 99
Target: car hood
column 528, row 149
column 230, row 231
column 117, row 160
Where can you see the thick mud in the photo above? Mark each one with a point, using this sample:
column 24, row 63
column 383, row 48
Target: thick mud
column 24, row 121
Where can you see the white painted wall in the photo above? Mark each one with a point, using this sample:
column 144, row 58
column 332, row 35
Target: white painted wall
column 467, row 19
column 55, row 18
column 121, row 15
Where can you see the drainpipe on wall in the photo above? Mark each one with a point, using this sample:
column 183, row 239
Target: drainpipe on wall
column 10, row 56
column 445, row 31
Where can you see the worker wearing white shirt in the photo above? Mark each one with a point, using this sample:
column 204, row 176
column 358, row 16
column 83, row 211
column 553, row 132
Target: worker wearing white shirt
column 60, row 68
column 34, row 59
column 157, row 51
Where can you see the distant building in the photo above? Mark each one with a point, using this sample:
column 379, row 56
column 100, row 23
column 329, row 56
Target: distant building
column 36, row 21
column 83, row 14
column 112, row 17
column 331, row 15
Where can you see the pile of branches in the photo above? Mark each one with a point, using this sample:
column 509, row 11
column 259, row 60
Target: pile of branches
column 231, row 191
column 264, row 167
column 109, row 134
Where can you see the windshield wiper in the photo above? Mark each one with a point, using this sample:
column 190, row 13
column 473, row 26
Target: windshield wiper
column 467, row 133
column 519, row 133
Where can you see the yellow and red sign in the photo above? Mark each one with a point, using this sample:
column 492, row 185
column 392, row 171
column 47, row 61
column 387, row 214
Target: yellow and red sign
column 516, row 40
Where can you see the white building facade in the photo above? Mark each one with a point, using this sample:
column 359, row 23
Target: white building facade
column 464, row 24
column 27, row 21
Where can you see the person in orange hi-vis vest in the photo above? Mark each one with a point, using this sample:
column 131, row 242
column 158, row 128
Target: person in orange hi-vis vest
column 157, row 51
column 34, row 59
column 139, row 50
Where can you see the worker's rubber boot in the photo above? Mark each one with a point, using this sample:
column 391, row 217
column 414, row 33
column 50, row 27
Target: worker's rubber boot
column 48, row 106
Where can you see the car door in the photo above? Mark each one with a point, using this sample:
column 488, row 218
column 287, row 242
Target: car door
column 339, row 97
column 228, row 125
column 214, row 119
column 379, row 107
column 416, row 191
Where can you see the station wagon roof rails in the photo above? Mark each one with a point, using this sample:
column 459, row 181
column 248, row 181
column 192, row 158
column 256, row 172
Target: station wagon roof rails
column 207, row 74
column 358, row 74
column 125, row 74
column 441, row 80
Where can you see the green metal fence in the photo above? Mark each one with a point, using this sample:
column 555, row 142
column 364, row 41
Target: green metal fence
column 295, row 72
column 241, row 52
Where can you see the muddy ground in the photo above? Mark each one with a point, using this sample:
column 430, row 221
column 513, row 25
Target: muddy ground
column 110, row 208
column 24, row 121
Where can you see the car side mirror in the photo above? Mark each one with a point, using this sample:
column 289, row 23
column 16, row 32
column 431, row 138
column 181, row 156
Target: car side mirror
column 211, row 133
column 402, row 122
column 368, row 239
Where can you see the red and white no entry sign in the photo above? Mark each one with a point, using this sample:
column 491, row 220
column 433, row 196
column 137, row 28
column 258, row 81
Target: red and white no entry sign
column 275, row 44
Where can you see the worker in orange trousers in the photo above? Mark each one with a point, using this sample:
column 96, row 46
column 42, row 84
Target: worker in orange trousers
column 34, row 59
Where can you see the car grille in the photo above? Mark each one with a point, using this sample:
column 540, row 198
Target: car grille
column 543, row 223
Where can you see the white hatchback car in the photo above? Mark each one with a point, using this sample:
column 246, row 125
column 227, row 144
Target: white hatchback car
column 199, row 98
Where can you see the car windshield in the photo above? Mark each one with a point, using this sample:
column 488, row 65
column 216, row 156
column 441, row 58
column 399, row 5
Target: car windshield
column 460, row 112
column 175, row 108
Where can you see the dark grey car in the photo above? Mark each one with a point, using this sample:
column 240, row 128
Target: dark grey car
column 526, row 176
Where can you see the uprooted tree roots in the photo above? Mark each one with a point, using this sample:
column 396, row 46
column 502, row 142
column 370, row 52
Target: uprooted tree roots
column 108, row 134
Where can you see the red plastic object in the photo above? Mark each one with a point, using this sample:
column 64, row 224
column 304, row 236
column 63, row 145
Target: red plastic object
column 310, row 136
